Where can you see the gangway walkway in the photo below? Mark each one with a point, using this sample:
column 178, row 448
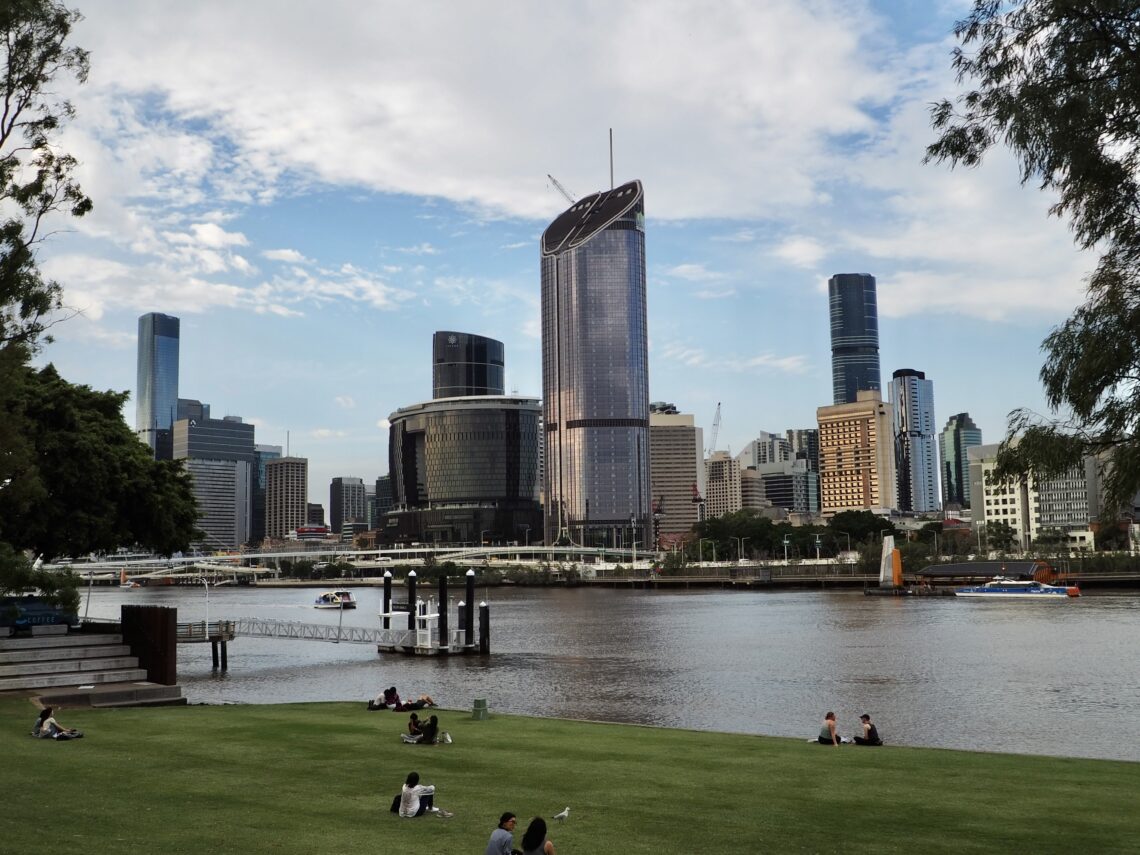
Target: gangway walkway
column 267, row 628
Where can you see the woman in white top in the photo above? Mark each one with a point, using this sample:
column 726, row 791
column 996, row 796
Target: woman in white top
column 416, row 798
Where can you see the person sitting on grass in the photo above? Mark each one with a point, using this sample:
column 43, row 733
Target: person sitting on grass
column 534, row 841
column 828, row 735
column 503, row 838
column 415, row 726
column 430, row 731
column 870, row 732
column 47, row 727
column 416, row 799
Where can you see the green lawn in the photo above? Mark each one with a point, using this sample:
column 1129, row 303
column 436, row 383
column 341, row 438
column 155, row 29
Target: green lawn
column 309, row 778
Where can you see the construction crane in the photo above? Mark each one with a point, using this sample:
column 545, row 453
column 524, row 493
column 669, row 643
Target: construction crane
column 558, row 186
column 715, row 430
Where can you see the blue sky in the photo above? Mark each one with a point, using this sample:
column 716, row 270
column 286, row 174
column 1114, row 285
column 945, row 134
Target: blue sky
column 314, row 189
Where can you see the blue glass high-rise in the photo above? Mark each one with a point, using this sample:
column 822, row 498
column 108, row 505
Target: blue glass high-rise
column 156, row 401
column 916, row 451
column 854, row 310
column 595, row 371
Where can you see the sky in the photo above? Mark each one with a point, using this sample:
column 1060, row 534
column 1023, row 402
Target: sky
column 316, row 188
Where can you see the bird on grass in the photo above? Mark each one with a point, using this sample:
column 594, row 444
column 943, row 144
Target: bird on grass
column 563, row 816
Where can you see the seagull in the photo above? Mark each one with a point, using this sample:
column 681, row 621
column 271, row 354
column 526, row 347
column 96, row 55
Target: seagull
column 561, row 817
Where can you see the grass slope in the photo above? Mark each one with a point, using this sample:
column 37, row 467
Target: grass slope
column 310, row 778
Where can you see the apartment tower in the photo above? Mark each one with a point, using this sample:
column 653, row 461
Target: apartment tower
column 854, row 311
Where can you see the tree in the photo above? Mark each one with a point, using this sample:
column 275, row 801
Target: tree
column 863, row 526
column 1000, row 536
column 35, row 180
column 88, row 484
column 1058, row 83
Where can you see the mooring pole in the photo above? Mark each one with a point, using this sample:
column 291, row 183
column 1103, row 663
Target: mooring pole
column 484, row 628
column 387, row 599
column 444, row 640
column 462, row 614
column 412, row 600
column 469, row 622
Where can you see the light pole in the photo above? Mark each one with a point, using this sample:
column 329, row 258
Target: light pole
column 526, row 531
column 701, row 549
column 206, row 582
column 740, row 548
column 786, row 539
column 817, row 541
column 483, row 542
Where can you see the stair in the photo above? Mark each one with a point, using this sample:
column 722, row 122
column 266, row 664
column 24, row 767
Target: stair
column 93, row 669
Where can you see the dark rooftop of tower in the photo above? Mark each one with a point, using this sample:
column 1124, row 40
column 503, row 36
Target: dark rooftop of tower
column 588, row 216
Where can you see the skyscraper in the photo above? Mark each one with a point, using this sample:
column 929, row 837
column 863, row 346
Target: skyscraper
column 595, row 370
column 959, row 434
column 286, row 496
column 677, row 469
column 347, row 502
column 219, row 455
column 854, row 312
column 916, row 464
column 156, row 398
column 466, row 364
column 856, row 456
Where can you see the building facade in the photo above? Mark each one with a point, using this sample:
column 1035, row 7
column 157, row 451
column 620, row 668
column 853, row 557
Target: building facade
column 347, row 503
column 854, row 309
column 466, row 364
column 856, row 456
column 959, row 435
column 156, row 390
column 766, row 448
column 916, row 451
column 676, row 470
column 722, row 494
column 286, row 496
column 261, row 454
column 595, row 371
column 219, row 455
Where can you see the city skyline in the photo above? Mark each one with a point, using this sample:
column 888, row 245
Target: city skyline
column 312, row 217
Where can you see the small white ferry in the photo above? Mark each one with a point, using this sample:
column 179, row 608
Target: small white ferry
column 335, row 600
column 1002, row 588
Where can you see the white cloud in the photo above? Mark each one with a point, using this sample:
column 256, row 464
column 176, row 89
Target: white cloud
column 287, row 255
column 383, row 424
column 345, row 402
column 693, row 273
column 419, row 249
column 764, row 363
column 800, row 251
column 327, row 433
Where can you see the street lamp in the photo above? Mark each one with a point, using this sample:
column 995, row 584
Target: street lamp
column 482, row 541
column 701, row 550
column 817, row 540
column 740, row 547
column 786, row 539
column 526, row 531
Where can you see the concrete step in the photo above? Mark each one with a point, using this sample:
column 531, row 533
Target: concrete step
column 134, row 694
column 69, row 665
column 72, row 678
column 74, row 639
column 49, row 654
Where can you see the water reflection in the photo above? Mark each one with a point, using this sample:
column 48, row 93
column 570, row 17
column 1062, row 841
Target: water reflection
column 1033, row 678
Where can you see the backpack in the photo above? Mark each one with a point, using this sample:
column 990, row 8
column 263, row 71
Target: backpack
column 396, row 803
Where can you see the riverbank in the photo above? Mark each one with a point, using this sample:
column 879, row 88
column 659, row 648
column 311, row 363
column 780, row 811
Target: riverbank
column 302, row 778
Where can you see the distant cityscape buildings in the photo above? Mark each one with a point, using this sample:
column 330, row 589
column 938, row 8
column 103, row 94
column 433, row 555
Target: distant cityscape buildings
column 286, row 496
column 595, row 371
column 959, row 435
column 156, row 391
column 676, row 467
column 348, row 503
column 916, row 464
column 219, row 455
column 854, row 310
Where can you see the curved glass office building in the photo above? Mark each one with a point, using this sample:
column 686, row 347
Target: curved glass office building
column 466, row 364
column 595, row 371
column 854, row 310
column 156, row 400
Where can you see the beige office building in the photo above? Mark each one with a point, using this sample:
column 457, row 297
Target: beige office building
column 676, row 470
column 286, row 496
column 856, row 456
column 723, row 490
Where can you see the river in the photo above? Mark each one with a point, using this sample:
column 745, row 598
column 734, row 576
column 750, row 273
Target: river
column 1034, row 678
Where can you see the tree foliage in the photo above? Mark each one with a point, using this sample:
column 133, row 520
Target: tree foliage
column 1058, row 83
column 87, row 484
column 36, row 180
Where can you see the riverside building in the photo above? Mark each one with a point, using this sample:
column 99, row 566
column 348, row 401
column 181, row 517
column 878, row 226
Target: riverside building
column 856, row 456
column 156, row 396
column 595, row 371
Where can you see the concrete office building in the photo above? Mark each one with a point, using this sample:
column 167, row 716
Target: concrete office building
column 676, row 469
column 959, row 435
column 595, row 370
column 790, row 485
column 723, row 485
column 156, row 390
column 347, row 503
column 286, row 496
column 219, row 455
column 916, row 450
column 854, row 310
column 856, row 456
column 766, row 448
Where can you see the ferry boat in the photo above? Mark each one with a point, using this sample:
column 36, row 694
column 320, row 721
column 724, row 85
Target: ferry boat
column 335, row 600
column 1002, row 588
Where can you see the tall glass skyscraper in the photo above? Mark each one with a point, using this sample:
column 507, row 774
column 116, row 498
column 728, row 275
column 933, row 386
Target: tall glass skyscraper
column 466, row 364
column 854, row 312
column 595, row 371
column 959, row 434
column 156, row 400
column 912, row 403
